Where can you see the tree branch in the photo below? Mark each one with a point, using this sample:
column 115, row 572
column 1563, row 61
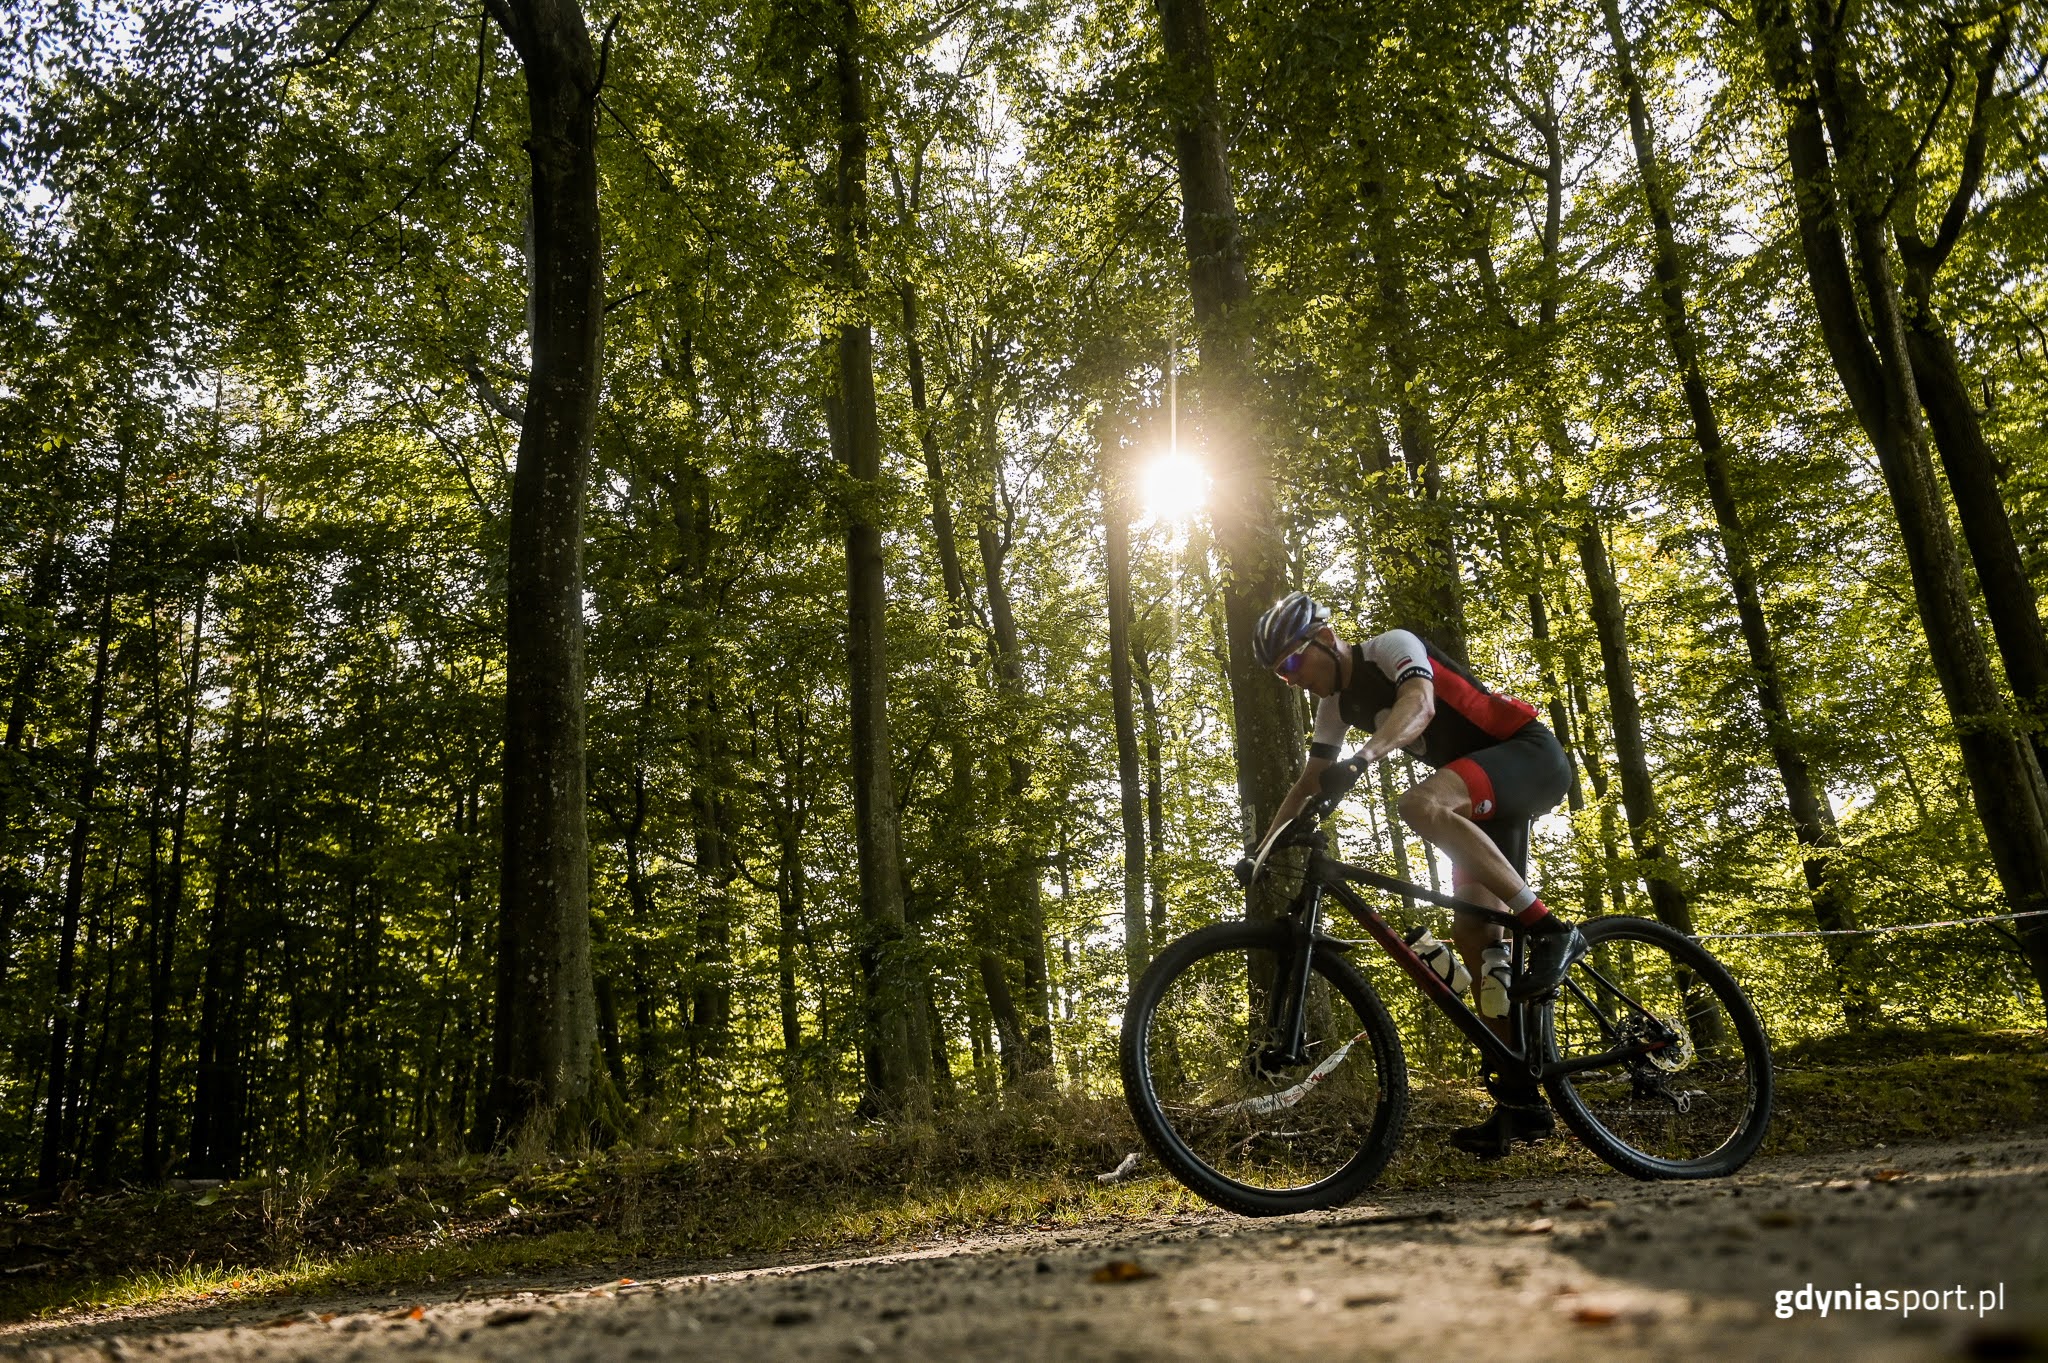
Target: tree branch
column 1506, row 157
column 335, row 48
column 488, row 394
column 1973, row 146
column 604, row 56
column 483, row 62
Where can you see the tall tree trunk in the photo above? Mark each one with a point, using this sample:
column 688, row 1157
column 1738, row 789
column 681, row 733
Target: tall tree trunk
column 1421, row 567
column 1944, row 393
column 54, row 1164
column 640, row 903
column 960, row 815
column 213, row 1081
column 943, row 534
column 1972, row 469
column 791, row 810
column 1877, row 375
column 1267, row 740
column 1112, row 481
column 38, row 643
column 1590, row 898
column 1155, row 789
column 695, row 519
column 1397, row 833
column 1813, row 822
column 164, row 931
column 1638, row 796
column 1021, row 912
column 468, row 818
column 896, row 1050
column 545, row 1039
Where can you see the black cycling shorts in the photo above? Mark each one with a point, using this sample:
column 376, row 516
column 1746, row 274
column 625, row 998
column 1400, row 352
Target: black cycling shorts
column 1512, row 783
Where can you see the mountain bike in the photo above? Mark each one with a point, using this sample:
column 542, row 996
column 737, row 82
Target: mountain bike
column 1265, row 1072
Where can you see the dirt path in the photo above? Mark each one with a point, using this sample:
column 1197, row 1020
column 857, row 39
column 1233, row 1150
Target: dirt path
column 1550, row 1269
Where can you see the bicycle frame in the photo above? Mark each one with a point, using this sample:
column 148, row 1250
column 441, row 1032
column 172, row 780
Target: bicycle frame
column 1326, row 875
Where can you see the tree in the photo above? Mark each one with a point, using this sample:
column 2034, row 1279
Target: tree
column 1813, row 821
column 1831, row 198
column 1265, row 725
column 545, row 1038
column 898, row 1052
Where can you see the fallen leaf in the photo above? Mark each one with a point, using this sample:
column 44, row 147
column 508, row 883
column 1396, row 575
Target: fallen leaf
column 1595, row 1315
column 280, row 1322
column 1889, row 1175
column 1121, row 1271
column 326, row 1316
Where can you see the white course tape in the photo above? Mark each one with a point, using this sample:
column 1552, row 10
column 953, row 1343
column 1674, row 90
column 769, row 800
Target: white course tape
column 1288, row 1097
column 1874, row 932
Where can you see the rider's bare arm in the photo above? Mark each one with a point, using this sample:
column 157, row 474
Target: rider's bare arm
column 1298, row 795
column 1414, row 707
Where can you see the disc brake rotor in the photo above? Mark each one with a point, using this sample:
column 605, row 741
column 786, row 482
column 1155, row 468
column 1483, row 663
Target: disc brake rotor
column 1678, row 1052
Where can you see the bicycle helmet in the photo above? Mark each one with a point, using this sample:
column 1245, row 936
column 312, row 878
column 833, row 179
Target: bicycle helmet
column 1281, row 629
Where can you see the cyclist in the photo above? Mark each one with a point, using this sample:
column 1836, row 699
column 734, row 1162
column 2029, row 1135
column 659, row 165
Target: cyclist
column 1497, row 768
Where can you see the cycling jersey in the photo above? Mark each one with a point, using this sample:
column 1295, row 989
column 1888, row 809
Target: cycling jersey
column 1468, row 716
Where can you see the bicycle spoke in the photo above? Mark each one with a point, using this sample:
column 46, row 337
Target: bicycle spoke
column 1267, row 1122
column 1675, row 1072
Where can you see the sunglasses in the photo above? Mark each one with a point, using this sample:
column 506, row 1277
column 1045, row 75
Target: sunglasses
column 1291, row 664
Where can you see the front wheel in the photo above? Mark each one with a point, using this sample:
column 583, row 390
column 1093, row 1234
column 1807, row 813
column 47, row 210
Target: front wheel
column 1686, row 1088
column 1251, row 1129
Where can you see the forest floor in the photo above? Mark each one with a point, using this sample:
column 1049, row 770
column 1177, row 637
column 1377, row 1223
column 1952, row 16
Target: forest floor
column 899, row 1224
column 1573, row 1267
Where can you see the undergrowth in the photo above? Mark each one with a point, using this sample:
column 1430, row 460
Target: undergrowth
column 429, row 1228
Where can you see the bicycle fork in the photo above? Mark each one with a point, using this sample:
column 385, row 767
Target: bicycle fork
column 1287, row 1014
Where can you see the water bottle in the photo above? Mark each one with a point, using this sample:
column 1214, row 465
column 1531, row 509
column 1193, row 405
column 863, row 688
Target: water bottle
column 1494, row 974
column 1439, row 957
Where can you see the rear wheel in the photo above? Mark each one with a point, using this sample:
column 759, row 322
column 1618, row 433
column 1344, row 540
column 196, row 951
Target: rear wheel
column 1248, row 1128
column 1686, row 1092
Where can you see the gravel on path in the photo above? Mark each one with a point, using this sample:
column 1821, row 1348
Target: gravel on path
column 1538, row 1269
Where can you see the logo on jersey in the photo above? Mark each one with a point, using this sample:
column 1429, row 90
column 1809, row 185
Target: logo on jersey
column 1483, row 807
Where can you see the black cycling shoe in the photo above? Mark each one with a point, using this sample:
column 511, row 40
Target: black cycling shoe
column 1511, row 1123
column 1549, row 955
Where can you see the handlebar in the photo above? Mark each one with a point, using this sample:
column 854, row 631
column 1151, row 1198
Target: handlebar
column 1334, row 784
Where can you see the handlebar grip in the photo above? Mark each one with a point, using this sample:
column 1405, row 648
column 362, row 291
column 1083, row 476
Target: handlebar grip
column 1338, row 778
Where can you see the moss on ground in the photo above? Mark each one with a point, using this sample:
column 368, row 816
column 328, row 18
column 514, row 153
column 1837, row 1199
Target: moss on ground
column 628, row 1210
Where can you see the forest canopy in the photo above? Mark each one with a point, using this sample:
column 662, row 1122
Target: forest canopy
column 685, row 570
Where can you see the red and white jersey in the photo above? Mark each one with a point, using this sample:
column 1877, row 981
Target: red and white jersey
column 1468, row 716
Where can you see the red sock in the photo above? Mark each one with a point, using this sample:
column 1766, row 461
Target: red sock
column 1536, row 911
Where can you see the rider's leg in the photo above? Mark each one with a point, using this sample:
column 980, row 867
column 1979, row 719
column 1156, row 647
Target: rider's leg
column 1443, row 809
column 1440, row 809
column 1472, row 935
